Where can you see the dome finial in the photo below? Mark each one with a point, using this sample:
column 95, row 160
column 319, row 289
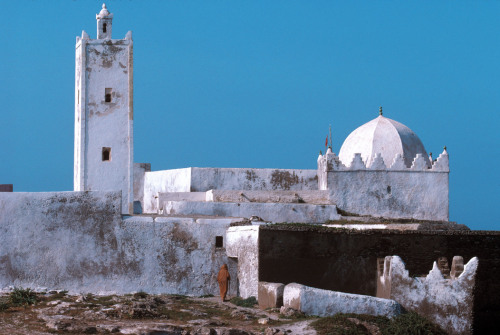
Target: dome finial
column 104, row 11
column 380, row 110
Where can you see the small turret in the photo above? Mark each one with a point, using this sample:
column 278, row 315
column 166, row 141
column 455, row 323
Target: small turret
column 104, row 23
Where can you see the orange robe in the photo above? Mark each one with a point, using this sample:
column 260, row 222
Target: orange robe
column 223, row 278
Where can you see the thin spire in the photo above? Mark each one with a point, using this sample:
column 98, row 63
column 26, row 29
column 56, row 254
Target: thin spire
column 380, row 110
column 330, row 127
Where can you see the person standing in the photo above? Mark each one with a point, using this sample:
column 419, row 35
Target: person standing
column 223, row 279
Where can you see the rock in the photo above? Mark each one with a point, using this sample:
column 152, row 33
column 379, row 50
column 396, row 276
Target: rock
column 204, row 331
column 263, row 321
column 275, row 331
column 290, row 312
column 237, row 313
column 233, row 331
column 270, row 295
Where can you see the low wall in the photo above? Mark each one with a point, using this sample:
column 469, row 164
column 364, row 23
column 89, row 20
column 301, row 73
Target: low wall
column 346, row 261
column 447, row 302
column 308, row 196
column 79, row 242
column 178, row 180
column 269, row 212
column 204, row 179
column 315, row 301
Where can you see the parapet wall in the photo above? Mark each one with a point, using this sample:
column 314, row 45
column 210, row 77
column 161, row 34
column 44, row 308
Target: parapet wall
column 448, row 302
column 79, row 242
column 417, row 192
column 205, row 179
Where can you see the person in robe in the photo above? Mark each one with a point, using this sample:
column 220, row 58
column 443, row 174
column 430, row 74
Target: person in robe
column 223, row 278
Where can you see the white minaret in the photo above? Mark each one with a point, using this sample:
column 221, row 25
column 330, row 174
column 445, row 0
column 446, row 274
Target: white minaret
column 104, row 112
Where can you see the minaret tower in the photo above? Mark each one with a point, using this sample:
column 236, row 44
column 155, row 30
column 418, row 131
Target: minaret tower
column 104, row 112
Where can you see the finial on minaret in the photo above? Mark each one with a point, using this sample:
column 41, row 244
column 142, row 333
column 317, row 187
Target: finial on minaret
column 330, row 127
column 104, row 22
column 320, row 153
column 444, row 148
column 380, row 110
column 104, row 11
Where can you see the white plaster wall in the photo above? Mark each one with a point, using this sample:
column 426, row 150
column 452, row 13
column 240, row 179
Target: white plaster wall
column 269, row 212
column 315, row 301
column 140, row 170
column 178, row 180
column 243, row 244
column 204, row 179
column 307, row 196
column 412, row 194
column 77, row 241
column 106, row 64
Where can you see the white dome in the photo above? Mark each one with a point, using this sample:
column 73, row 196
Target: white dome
column 385, row 136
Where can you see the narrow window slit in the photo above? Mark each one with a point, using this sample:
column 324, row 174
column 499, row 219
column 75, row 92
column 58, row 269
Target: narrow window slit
column 219, row 242
column 106, row 154
column 107, row 95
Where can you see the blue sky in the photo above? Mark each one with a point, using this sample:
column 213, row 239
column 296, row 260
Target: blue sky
column 256, row 84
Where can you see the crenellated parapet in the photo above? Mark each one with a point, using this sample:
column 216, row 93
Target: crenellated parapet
column 331, row 162
column 443, row 296
column 401, row 188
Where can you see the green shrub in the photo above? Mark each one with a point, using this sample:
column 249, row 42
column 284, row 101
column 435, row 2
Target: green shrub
column 339, row 325
column 404, row 324
column 20, row 296
column 411, row 324
column 249, row 302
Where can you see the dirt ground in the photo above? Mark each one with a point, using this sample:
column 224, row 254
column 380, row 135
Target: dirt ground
column 59, row 313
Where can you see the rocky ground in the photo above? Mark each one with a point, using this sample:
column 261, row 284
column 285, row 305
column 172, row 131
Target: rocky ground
column 23, row 311
column 59, row 313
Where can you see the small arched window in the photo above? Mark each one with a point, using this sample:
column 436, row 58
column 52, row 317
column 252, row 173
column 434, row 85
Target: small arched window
column 104, row 27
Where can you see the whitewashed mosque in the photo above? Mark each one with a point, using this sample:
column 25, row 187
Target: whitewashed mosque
column 382, row 170
column 125, row 228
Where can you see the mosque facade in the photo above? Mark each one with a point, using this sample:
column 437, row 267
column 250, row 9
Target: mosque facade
column 125, row 228
column 382, row 170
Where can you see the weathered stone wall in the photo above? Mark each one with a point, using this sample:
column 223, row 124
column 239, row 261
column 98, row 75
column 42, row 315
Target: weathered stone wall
column 269, row 212
column 346, row 261
column 446, row 301
column 204, row 179
column 242, row 244
column 78, row 241
column 315, row 301
column 392, row 194
column 307, row 196
column 392, row 191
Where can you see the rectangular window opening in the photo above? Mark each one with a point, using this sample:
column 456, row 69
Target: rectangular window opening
column 219, row 242
column 107, row 95
column 106, row 154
